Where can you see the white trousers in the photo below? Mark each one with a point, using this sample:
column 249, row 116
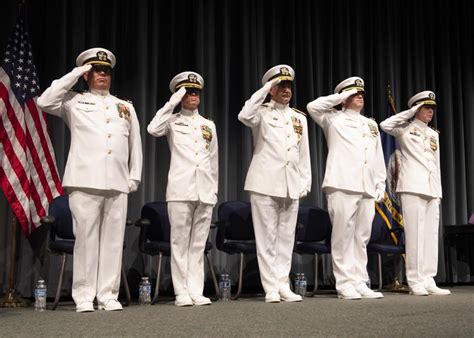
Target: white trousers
column 99, row 227
column 351, row 216
column 274, row 222
column 190, row 223
column 421, row 223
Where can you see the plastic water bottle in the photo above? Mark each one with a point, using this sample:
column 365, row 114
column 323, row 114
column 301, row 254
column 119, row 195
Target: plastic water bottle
column 225, row 287
column 297, row 283
column 40, row 296
column 303, row 285
column 144, row 297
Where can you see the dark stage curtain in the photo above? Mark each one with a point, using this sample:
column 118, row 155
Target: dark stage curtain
column 411, row 45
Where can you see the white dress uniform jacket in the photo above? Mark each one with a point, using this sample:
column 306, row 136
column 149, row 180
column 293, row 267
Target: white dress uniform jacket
column 106, row 150
column 419, row 144
column 355, row 160
column 280, row 164
column 193, row 174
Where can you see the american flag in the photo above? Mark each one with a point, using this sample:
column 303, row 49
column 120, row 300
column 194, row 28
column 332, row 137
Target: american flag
column 28, row 174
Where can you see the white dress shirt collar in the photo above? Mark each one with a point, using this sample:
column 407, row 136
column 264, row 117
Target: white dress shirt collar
column 99, row 92
column 352, row 113
column 420, row 123
column 189, row 113
column 278, row 106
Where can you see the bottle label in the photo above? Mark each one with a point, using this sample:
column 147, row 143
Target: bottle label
column 224, row 284
column 40, row 292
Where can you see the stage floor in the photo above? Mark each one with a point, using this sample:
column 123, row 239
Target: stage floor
column 398, row 314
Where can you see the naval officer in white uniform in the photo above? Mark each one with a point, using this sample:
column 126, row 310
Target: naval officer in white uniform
column 419, row 186
column 192, row 184
column 354, row 180
column 104, row 164
column 279, row 175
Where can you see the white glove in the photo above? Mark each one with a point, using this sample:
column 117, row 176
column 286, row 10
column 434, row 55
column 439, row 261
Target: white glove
column 176, row 98
column 379, row 195
column 133, row 185
column 345, row 95
column 303, row 193
column 79, row 71
column 270, row 84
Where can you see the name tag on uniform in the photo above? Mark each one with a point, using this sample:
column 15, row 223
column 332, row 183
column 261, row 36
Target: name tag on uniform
column 85, row 102
column 181, row 124
column 351, row 124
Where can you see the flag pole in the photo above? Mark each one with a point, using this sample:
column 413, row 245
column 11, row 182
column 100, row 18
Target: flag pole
column 11, row 299
column 397, row 285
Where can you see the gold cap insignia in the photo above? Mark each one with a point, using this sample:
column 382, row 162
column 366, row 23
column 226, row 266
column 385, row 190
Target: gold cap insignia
column 192, row 78
column 284, row 71
column 102, row 56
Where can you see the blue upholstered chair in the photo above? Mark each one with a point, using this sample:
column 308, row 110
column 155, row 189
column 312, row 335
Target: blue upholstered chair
column 235, row 233
column 61, row 240
column 154, row 239
column 313, row 236
column 381, row 242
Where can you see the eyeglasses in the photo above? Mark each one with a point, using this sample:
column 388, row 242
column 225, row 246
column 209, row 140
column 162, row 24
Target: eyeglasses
column 191, row 91
column 102, row 69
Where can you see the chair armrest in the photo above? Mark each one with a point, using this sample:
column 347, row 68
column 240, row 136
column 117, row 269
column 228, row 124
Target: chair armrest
column 220, row 224
column 142, row 223
column 48, row 220
column 299, row 227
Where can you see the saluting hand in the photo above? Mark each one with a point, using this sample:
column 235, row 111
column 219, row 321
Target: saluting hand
column 345, row 95
column 414, row 109
column 79, row 71
column 270, row 84
column 176, row 98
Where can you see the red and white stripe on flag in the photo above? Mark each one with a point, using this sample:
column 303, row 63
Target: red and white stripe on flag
column 28, row 173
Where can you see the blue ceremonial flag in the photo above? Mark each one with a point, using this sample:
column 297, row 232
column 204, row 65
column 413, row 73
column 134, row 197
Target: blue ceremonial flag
column 389, row 211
